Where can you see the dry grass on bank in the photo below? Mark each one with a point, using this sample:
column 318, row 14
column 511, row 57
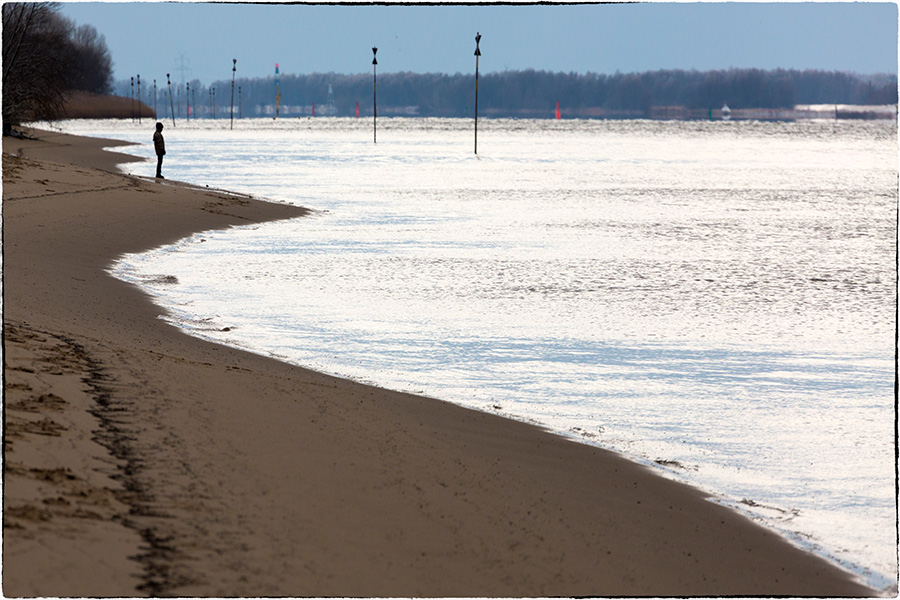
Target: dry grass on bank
column 85, row 105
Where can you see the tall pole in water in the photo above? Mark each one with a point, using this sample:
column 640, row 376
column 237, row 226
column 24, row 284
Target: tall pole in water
column 132, row 99
column 139, row 98
column 240, row 105
column 477, row 56
column 171, row 100
column 277, row 91
column 233, row 73
column 187, row 96
column 155, row 112
column 374, row 96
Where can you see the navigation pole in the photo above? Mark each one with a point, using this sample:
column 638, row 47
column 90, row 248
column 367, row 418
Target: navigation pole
column 374, row 96
column 477, row 56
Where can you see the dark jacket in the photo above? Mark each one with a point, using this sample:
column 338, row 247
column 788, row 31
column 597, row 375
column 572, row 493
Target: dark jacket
column 159, row 143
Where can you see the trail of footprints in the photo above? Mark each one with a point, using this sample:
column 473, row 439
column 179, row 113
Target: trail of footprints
column 46, row 415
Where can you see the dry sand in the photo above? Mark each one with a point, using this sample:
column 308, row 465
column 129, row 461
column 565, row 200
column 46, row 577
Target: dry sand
column 141, row 461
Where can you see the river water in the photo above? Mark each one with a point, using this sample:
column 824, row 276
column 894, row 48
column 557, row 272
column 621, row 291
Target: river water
column 714, row 299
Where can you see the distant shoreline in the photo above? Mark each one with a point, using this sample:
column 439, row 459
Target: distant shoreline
column 82, row 105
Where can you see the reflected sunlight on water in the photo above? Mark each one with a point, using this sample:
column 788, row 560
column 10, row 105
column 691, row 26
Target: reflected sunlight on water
column 715, row 299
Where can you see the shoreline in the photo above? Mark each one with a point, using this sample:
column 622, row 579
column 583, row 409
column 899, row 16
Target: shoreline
column 229, row 473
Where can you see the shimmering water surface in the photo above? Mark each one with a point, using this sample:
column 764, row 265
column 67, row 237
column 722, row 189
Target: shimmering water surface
column 716, row 300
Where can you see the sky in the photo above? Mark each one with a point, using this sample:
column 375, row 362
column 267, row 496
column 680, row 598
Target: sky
column 198, row 40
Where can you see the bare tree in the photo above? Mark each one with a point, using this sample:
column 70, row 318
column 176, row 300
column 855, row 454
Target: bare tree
column 91, row 64
column 45, row 56
column 34, row 74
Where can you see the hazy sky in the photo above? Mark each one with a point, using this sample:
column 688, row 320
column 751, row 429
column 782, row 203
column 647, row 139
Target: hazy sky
column 199, row 40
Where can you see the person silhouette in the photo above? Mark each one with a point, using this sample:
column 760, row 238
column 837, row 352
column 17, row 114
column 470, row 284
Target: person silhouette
column 160, row 144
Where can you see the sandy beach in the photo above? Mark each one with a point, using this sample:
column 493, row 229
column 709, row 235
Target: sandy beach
column 141, row 461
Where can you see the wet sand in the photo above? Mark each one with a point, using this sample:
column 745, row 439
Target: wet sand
column 141, row 461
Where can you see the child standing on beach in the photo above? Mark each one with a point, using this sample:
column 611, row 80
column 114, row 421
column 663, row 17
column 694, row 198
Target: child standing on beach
column 160, row 144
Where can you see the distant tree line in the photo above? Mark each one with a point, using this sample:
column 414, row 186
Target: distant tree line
column 515, row 93
column 46, row 56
